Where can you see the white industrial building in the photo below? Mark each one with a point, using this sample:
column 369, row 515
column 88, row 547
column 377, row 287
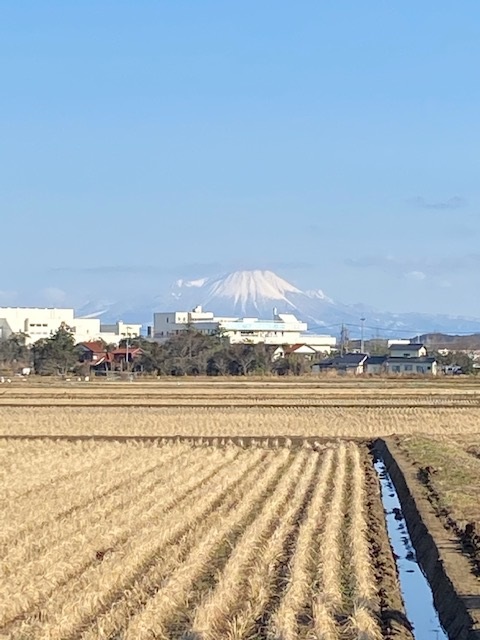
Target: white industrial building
column 283, row 329
column 113, row 333
column 37, row 324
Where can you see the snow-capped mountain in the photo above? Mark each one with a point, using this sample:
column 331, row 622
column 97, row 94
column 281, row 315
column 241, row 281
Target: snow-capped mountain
column 253, row 294
column 260, row 293
column 251, row 288
column 242, row 292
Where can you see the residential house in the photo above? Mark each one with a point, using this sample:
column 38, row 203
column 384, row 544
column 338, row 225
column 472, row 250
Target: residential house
column 410, row 350
column 403, row 358
column 376, row 365
column 410, row 359
column 121, row 355
column 423, row 365
column 101, row 359
column 92, row 352
column 294, row 350
column 350, row 363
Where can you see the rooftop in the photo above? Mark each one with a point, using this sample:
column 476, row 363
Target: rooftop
column 378, row 359
column 350, row 359
column 418, row 360
column 294, row 347
column 403, row 347
column 96, row 346
column 347, row 360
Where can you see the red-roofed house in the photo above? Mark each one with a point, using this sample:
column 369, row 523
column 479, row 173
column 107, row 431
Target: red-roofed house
column 92, row 351
column 293, row 349
column 121, row 354
column 102, row 359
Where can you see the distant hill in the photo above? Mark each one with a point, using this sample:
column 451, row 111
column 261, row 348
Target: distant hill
column 258, row 293
column 451, row 342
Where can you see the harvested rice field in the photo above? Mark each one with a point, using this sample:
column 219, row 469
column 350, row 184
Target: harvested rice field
column 244, row 511
column 347, row 409
column 244, row 392
column 153, row 422
column 168, row 540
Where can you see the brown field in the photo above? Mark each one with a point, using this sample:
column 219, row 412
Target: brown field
column 450, row 466
column 142, row 541
column 244, row 393
column 121, row 530
column 243, row 408
column 448, row 469
column 347, row 422
column 312, row 408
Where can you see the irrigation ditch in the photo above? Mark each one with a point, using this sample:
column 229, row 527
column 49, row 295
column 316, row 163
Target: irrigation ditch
column 417, row 594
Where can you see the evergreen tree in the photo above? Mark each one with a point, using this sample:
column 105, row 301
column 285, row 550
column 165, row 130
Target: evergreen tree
column 14, row 353
column 57, row 354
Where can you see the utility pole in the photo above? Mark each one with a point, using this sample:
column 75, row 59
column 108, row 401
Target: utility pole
column 126, row 348
column 362, row 340
column 343, row 340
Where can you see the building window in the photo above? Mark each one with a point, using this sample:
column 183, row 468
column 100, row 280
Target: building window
column 396, row 368
column 409, row 367
column 420, row 369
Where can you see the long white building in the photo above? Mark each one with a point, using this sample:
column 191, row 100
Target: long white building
column 283, row 329
column 38, row 323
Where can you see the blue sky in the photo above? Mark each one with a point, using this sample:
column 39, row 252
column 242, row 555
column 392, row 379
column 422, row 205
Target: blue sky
column 336, row 143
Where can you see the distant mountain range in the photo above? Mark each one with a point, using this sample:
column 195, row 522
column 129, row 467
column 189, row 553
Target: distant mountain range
column 260, row 293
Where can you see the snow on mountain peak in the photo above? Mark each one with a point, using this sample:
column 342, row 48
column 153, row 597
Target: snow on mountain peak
column 191, row 283
column 317, row 294
column 252, row 288
column 249, row 293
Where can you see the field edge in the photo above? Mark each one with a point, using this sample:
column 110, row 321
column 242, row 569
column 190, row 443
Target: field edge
column 438, row 551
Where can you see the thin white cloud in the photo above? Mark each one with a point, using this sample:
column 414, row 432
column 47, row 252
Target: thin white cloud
column 416, row 275
column 457, row 202
column 198, row 268
column 430, row 267
column 445, row 284
column 53, row 295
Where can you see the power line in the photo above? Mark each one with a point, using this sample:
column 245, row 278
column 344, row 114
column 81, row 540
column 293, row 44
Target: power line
column 410, row 332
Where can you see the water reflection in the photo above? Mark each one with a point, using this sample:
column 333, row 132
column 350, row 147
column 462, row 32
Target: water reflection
column 416, row 591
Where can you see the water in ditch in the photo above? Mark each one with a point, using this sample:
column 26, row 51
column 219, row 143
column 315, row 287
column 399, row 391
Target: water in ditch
column 417, row 595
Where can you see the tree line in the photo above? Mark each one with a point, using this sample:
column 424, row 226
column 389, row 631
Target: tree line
column 189, row 353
